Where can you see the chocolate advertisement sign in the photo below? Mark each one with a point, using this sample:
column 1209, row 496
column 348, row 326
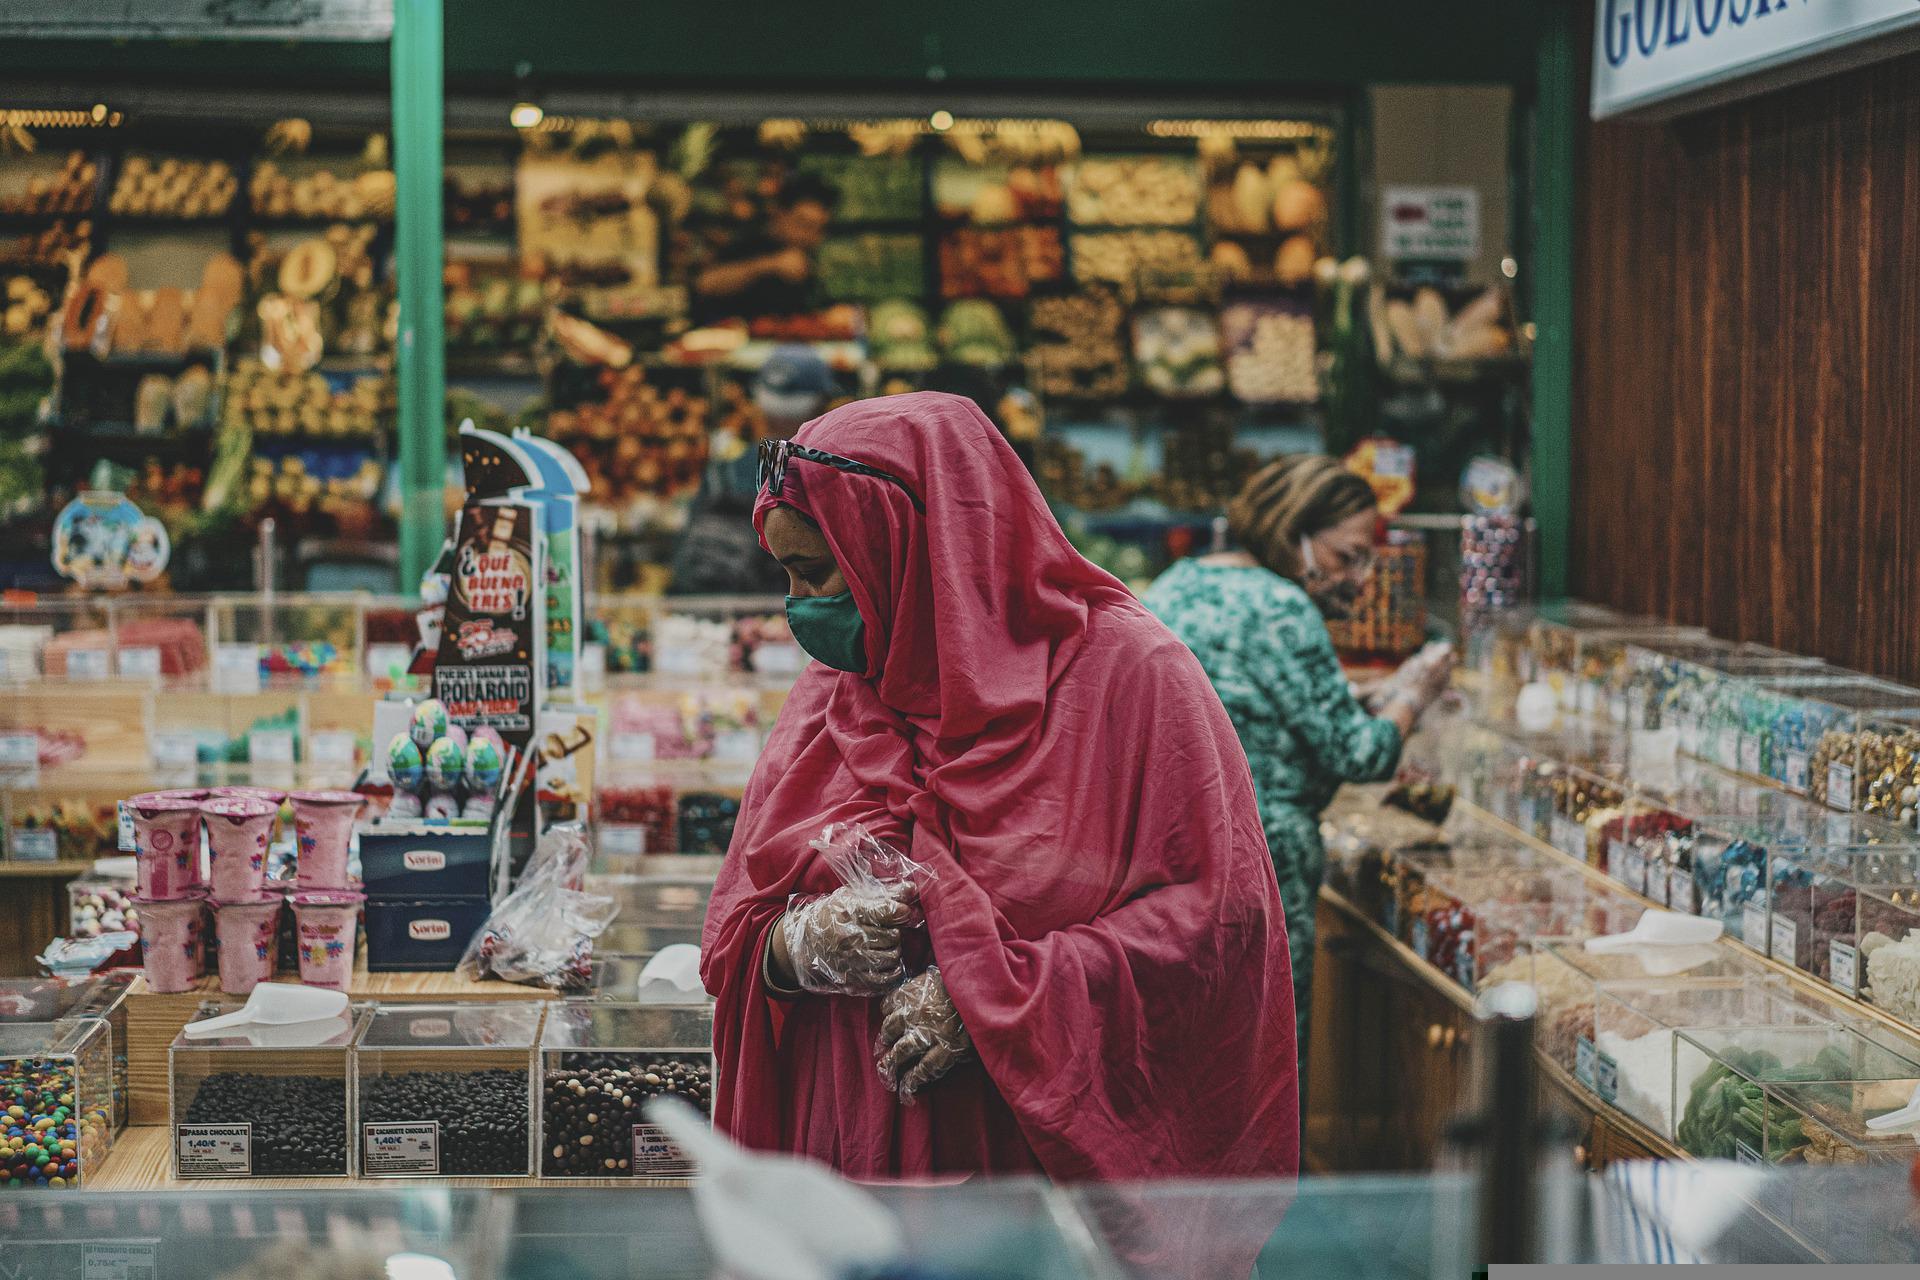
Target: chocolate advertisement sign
column 494, row 631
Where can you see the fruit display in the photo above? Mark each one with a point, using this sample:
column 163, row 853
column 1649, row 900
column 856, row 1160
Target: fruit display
column 974, row 332
column 1423, row 326
column 898, row 337
column 24, row 306
column 1139, row 263
column 270, row 403
column 641, row 440
column 1001, row 262
column 51, row 245
column 491, row 313
column 1078, row 346
column 1249, row 198
column 1270, row 351
column 26, row 376
column 991, row 195
column 871, row 188
column 1177, row 350
column 871, row 267
column 1133, row 191
column 278, row 196
column 70, row 190
column 476, row 204
column 168, row 187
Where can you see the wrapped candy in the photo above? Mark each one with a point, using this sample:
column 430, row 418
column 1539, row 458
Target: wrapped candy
column 407, row 769
column 484, row 769
column 429, row 724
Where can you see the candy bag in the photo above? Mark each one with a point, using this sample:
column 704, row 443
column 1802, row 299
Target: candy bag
column 542, row 933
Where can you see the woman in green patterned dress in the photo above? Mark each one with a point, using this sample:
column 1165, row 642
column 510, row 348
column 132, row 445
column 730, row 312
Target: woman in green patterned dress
column 1303, row 529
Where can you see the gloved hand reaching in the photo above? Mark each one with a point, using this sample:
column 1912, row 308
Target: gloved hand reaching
column 921, row 1035
column 847, row 942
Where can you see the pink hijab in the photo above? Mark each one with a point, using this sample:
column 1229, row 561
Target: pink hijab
column 1104, row 911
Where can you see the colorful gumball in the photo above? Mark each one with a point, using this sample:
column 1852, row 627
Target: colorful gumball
column 405, row 765
column 446, row 765
column 429, row 723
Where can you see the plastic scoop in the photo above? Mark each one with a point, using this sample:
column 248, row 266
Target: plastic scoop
column 1657, row 928
column 672, row 975
column 275, row 1004
column 1907, row 1117
column 777, row 1217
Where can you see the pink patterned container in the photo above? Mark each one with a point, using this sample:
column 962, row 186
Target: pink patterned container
column 323, row 821
column 238, row 829
column 166, row 845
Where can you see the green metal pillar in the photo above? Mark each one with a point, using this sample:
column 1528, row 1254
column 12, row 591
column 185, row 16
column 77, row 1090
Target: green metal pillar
column 420, row 356
column 1556, row 122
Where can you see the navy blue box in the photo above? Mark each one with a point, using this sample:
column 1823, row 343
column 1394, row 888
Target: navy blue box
column 423, row 935
column 415, row 860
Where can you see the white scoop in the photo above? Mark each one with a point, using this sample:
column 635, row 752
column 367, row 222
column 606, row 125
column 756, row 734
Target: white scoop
column 1657, row 928
column 672, row 976
column 1907, row 1117
column 777, row 1217
column 276, row 1004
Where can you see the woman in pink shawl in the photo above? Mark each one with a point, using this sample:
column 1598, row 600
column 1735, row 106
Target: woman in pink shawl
column 1101, row 990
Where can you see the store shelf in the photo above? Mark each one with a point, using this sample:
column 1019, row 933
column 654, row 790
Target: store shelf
column 14, row 870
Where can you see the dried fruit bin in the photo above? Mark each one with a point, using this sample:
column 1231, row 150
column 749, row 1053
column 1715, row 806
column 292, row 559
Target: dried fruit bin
column 56, row 1104
column 599, row 1064
column 446, row 1090
column 261, row 1101
column 1635, row 1021
column 1747, row 1093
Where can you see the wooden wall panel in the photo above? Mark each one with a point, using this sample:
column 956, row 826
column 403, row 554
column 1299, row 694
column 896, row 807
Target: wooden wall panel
column 1747, row 384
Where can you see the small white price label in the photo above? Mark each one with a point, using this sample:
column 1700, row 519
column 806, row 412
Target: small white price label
column 1797, row 771
column 33, row 844
column 1606, row 1077
column 1658, row 884
column 175, row 750
column 1843, row 966
column 1755, row 928
column 270, row 746
column 1745, row 1154
column 779, row 659
column 736, row 745
column 1419, row 938
column 621, row 838
column 1784, row 939
column 401, row 1147
column 1750, row 755
column 1840, row 787
column 1583, row 1056
column 656, row 1157
column 119, row 1260
column 333, row 747
column 20, row 757
column 125, row 843
column 213, row 1150
column 679, row 662
column 631, row 746
column 1617, row 707
column 236, row 668
column 1680, row 891
column 140, row 663
column 89, row 664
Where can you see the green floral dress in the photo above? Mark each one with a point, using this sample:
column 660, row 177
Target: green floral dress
column 1266, row 649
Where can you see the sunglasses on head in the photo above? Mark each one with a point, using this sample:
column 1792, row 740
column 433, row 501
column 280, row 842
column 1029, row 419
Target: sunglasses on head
column 776, row 454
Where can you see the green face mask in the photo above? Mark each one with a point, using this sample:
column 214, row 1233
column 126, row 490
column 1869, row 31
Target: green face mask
column 831, row 629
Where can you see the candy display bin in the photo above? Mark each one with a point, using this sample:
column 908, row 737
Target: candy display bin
column 1822, row 721
column 622, row 938
column 297, row 638
column 1576, row 656
column 1602, row 672
column 1634, row 846
column 1725, row 867
column 1635, row 1020
column 100, row 904
column 1662, row 681
column 1588, row 795
column 56, row 1085
column 1884, row 963
column 1874, row 769
column 104, row 997
column 72, row 820
column 657, row 901
column 446, row 1090
column 599, row 1063
column 261, row 1101
column 1812, row 906
column 1746, row 1093
column 1566, row 975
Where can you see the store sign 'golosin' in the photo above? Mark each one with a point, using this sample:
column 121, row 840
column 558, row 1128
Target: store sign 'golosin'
column 1660, row 57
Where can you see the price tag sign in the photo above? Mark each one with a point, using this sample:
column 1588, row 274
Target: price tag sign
column 1784, row 936
column 119, row 1260
column 1606, row 1077
column 1840, row 787
column 401, row 1148
column 175, row 750
column 125, row 843
column 236, row 668
column 1583, row 1061
column 333, row 747
column 1756, row 929
column 214, row 1150
column 142, row 663
column 779, row 659
column 1680, row 891
column 20, row 758
column 630, row 746
column 621, row 837
column 1750, row 755
column 655, row 1157
column 1843, row 967
column 1796, row 778
column 89, row 664
column 1658, row 885
column 1744, row 1153
column 1617, row 707
column 33, row 844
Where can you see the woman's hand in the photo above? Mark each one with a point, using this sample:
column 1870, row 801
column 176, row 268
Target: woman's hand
column 921, row 1037
column 846, row 943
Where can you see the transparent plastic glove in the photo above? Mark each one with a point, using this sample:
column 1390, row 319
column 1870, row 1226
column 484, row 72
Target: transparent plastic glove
column 848, row 942
column 921, row 1036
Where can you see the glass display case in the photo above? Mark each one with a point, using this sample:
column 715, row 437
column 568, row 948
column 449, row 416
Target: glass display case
column 1813, row 907
column 1589, row 796
column 57, row 1080
column 664, row 806
column 599, row 1063
column 1883, row 966
column 104, row 997
column 1871, row 769
column 658, row 901
column 1587, row 667
column 622, row 938
column 1567, row 976
column 446, row 1090
column 1750, row 1093
column 261, row 1101
column 293, row 638
column 1805, row 712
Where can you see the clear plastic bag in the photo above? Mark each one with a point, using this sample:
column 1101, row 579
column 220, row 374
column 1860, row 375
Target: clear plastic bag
column 542, row 933
column 848, row 942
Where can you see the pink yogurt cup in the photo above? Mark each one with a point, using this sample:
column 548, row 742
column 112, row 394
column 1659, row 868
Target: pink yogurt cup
column 324, row 924
column 249, row 931
column 238, row 829
column 173, row 941
column 275, row 796
column 323, row 821
column 166, row 845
